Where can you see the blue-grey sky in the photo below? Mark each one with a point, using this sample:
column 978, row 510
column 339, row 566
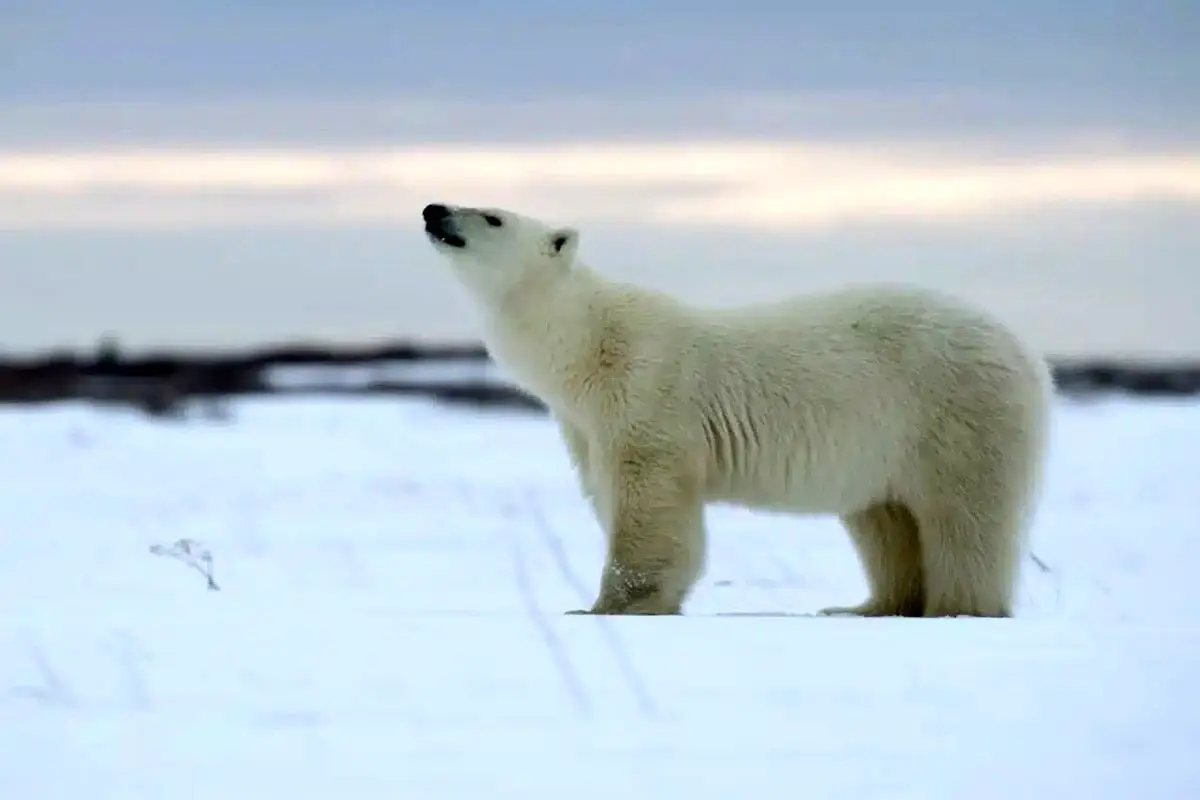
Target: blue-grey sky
column 1129, row 65
column 228, row 172
column 76, row 48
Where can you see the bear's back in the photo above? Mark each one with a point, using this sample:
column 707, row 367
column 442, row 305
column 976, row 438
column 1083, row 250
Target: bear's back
column 857, row 378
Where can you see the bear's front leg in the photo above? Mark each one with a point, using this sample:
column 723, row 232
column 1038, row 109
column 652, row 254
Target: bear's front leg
column 577, row 448
column 656, row 543
column 626, row 592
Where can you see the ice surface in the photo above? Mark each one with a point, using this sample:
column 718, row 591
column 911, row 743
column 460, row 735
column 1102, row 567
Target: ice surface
column 389, row 625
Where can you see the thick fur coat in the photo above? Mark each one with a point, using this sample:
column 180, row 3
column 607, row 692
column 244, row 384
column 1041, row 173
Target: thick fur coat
column 917, row 419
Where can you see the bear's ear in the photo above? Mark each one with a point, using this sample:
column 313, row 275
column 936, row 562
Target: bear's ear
column 563, row 243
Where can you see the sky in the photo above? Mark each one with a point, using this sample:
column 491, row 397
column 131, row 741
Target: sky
column 1138, row 52
column 940, row 65
column 1016, row 145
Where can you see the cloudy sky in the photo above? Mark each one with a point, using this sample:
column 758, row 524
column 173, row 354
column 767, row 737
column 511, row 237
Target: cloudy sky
column 1041, row 155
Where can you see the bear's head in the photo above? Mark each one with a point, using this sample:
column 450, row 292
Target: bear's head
column 493, row 250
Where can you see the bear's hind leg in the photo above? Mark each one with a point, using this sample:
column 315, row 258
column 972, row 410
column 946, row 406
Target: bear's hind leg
column 885, row 537
column 970, row 562
column 656, row 543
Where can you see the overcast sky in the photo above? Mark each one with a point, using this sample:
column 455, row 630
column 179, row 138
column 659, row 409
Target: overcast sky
column 1131, row 65
column 1041, row 155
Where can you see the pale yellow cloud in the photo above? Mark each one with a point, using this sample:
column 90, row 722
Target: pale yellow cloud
column 763, row 185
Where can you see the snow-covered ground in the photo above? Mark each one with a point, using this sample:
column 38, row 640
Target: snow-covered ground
column 389, row 625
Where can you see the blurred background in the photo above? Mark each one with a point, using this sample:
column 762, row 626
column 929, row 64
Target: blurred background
column 221, row 174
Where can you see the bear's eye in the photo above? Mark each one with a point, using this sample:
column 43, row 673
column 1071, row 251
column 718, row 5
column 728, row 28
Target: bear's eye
column 493, row 220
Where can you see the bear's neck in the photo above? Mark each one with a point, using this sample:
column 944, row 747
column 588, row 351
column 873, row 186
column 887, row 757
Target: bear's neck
column 544, row 336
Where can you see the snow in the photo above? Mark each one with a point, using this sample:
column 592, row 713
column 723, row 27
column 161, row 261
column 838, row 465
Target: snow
column 389, row 625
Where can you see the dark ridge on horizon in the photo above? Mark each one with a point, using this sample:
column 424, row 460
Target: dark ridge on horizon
column 166, row 384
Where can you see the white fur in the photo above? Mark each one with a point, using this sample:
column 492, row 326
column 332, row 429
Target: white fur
column 919, row 420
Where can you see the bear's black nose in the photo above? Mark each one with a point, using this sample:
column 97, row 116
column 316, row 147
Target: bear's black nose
column 435, row 213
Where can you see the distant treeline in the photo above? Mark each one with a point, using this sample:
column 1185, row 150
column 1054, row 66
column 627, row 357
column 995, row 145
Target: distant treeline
column 166, row 384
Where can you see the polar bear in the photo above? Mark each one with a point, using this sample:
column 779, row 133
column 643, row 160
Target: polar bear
column 918, row 420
